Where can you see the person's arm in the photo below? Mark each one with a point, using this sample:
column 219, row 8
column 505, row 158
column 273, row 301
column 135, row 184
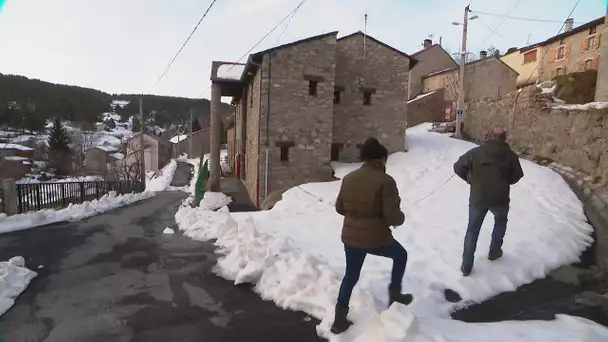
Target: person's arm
column 339, row 203
column 462, row 167
column 391, row 202
column 516, row 172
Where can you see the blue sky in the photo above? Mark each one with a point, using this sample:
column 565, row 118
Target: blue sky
column 122, row 46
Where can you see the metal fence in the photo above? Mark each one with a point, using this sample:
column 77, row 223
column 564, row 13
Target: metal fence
column 58, row 195
column 1, row 200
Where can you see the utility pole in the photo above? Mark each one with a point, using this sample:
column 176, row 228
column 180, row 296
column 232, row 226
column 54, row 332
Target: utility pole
column 141, row 143
column 190, row 136
column 463, row 62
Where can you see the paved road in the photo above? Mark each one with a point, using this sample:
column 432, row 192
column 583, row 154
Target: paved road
column 116, row 277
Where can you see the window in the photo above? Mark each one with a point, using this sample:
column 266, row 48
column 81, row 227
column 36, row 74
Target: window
column 562, row 42
column 284, row 153
column 284, row 146
column 561, row 52
column 335, row 151
column 593, row 30
column 560, row 72
column 588, row 65
column 530, row 56
column 367, row 98
column 312, row 88
column 336, row 96
column 590, row 43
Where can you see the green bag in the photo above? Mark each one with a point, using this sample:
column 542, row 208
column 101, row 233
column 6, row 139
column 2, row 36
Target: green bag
column 200, row 182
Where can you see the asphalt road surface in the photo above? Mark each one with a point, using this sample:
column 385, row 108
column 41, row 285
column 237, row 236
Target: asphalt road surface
column 116, row 277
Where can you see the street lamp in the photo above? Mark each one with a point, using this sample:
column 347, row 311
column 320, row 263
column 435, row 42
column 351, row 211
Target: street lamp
column 463, row 58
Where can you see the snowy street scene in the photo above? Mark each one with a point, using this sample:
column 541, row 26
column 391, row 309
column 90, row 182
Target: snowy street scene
column 344, row 171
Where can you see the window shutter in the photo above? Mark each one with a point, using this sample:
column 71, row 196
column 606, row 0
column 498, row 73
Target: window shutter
column 597, row 40
column 553, row 73
column 568, row 48
column 596, row 63
column 581, row 67
column 552, row 55
column 583, row 42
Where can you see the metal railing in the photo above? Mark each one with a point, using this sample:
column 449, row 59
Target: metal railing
column 37, row 196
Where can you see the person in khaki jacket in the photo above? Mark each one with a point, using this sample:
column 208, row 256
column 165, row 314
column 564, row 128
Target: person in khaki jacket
column 369, row 201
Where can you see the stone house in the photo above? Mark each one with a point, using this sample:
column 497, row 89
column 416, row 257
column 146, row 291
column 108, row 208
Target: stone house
column 487, row 77
column 17, row 150
column 157, row 151
column 98, row 158
column 200, row 143
column 575, row 50
column 15, row 167
column 433, row 58
column 306, row 103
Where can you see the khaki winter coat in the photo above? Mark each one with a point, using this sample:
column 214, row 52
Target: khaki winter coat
column 369, row 201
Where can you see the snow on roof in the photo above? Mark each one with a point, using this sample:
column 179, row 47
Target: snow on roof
column 178, row 138
column 15, row 158
column 107, row 149
column 15, row 147
column 438, row 72
column 230, row 71
column 586, row 106
column 421, row 96
column 117, row 156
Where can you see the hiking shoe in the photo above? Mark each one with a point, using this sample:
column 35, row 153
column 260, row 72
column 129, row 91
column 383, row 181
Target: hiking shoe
column 495, row 255
column 397, row 296
column 341, row 323
column 466, row 271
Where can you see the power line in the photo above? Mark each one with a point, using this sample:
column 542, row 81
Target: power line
column 483, row 22
column 292, row 13
column 285, row 29
column 522, row 18
column 183, row 45
column 499, row 25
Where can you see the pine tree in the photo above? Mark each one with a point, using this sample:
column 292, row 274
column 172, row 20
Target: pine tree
column 59, row 140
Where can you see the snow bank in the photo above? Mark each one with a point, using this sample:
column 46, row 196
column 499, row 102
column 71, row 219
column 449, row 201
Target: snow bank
column 162, row 181
column 294, row 255
column 74, row 212
column 14, row 278
column 586, row 106
column 168, row 231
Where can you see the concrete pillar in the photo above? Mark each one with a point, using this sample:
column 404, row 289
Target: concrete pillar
column 9, row 192
column 601, row 89
column 214, row 162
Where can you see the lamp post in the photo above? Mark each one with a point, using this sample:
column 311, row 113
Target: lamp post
column 463, row 59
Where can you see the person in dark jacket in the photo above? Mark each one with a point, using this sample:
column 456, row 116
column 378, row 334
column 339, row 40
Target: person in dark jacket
column 490, row 169
column 369, row 201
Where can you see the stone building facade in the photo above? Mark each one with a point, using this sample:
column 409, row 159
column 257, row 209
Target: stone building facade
column 431, row 59
column 601, row 89
column 308, row 101
column 200, row 144
column 541, row 128
column 575, row 50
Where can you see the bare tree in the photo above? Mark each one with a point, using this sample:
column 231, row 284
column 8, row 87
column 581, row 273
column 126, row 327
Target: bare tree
column 82, row 141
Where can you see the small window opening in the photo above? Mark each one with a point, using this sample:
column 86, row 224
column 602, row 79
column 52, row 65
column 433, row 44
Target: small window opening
column 367, row 98
column 335, row 151
column 336, row 97
column 593, row 30
column 284, row 153
column 312, row 87
column 562, row 42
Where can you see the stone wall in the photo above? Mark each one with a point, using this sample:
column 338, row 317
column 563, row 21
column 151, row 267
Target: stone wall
column 253, row 102
column 298, row 121
column 430, row 108
column 200, row 144
column 384, row 74
column 576, row 138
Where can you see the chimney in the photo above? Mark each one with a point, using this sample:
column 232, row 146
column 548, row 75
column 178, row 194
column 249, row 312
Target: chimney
column 569, row 25
column 427, row 43
column 483, row 54
column 511, row 50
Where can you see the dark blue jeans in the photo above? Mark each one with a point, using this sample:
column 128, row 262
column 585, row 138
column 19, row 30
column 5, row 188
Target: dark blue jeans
column 476, row 216
column 354, row 262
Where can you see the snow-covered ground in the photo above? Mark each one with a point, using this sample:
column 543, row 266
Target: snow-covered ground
column 14, row 278
column 295, row 256
column 74, row 212
column 162, row 181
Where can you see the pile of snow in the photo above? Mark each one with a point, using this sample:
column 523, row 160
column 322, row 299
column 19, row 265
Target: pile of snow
column 230, row 71
column 586, row 106
column 74, row 212
column 168, row 231
column 163, row 181
column 180, row 137
column 14, row 278
column 294, row 255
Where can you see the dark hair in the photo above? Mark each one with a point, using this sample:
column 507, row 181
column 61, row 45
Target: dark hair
column 372, row 149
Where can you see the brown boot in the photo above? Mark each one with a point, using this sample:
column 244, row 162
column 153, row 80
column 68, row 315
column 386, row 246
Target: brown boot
column 341, row 323
column 495, row 255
